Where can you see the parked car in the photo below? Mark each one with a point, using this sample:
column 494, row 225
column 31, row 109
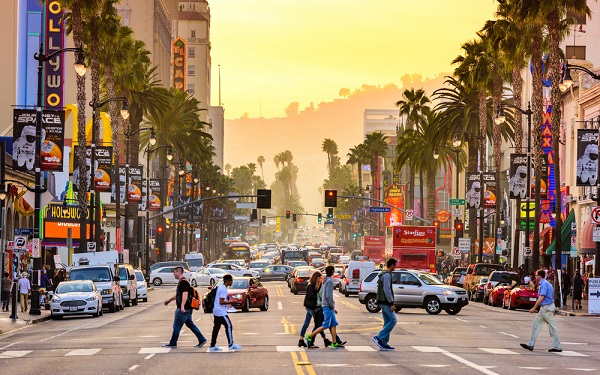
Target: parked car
column 496, row 296
column 496, row 277
column 354, row 273
column 106, row 281
column 75, row 298
column 414, row 289
column 475, row 272
column 519, row 296
column 235, row 270
column 210, row 276
column 142, row 289
column 456, row 274
column 478, row 294
column 165, row 275
column 275, row 272
column 248, row 291
column 174, row 263
column 300, row 281
column 128, row 283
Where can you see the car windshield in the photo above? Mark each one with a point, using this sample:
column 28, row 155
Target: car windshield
column 92, row 273
column 74, row 288
column 259, row 265
column 305, row 273
column 139, row 276
column 239, row 284
column 428, row 279
column 198, row 262
column 505, row 277
column 297, row 264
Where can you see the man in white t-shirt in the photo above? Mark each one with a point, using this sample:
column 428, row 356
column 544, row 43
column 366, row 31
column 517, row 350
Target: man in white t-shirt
column 220, row 316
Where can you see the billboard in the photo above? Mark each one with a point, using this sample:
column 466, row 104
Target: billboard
column 57, row 222
column 587, row 157
column 24, row 136
column 154, row 203
column 120, row 177
column 54, row 68
column 410, row 237
column 489, row 195
column 102, row 177
column 395, row 197
column 179, row 64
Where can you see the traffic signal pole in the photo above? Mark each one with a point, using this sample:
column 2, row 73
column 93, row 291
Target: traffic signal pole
column 424, row 221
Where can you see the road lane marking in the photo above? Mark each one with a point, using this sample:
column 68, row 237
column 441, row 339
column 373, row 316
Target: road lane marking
column 279, row 291
column 81, row 352
column 9, row 345
column 435, row 349
column 149, row 336
column 285, row 349
column 349, row 305
column 286, row 326
column 133, row 367
column 483, row 326
column 534, row 368
column 436, row 366
column 65, row 332
column 306, row 363
column 574, row 343
column 429, row 349
column 462, row 320
column 296, row 365
column 149, row 356
column 508, row 334
column 582, row 369
column 359, row 348
column 279, row 305
column 569, row 353
column 14, row 354
column 157, row 350
column 381, row 364
column 333, row 365
column 498, row 351
column 293, row 329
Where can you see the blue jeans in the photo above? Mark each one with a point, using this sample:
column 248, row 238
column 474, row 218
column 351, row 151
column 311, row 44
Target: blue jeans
column 309, row 316
column 389, row 322
column 181, row 319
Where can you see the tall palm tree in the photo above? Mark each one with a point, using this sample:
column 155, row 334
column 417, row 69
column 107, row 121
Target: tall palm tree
column 261, row 160
column 357, row 156
column 375, row 148
column 331, row 148
column 228, row 169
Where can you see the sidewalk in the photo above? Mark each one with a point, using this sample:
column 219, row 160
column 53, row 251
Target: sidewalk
column 8, row 325
column 569, row 312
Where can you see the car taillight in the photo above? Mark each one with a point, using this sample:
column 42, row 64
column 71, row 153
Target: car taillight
column 488, row 285
column 298, row 280
column 360, row 289
column 347, row 281
column 356, row 273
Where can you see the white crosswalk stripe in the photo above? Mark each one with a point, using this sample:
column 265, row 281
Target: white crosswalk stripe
column 82, row 352
column 157, row 350
column 498, row 351
column 14, row 353
column 569, row 353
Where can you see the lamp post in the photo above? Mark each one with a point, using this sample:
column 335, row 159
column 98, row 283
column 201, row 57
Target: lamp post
column 501, row 117
column 194, row 197
column 148, row 151
column 567, row 82
column 94, row 198
column 80, row 69
column 456, row 143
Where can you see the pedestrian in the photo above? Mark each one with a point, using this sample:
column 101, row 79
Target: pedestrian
column 527, row 279
column 545, row 302
column 312, row 306
column 578, row 285
column 566, row 286
column 24, row 290
column 183, row 311
column 220, row 316
column 329, row 312
column 385, row 299
column 6, row 284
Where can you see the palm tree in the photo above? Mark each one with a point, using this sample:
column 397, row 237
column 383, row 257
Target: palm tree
column 357, row 156
column 228, row 169
column 375, row 148
column 330, row 147
column 261, row 160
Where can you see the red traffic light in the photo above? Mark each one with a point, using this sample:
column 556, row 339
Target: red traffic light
column 287, row 214
column 159, row 229
column 330, row 198
column 459, row 226
column 436, row 223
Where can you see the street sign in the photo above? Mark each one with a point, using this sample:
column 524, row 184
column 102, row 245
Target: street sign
column 379, row 209
column 594, row 296
column 531, row 224
column 596, row 234
column 91, row 246
column 456, row 253
column 457, row 202
column 23, row 232
column 595, row 215
column 20, row 243
column 528, row 252
column 457, row 212
column 343, row 216
column 329, row 222
column 410, row 214
column 464, row 245
column 36, row 248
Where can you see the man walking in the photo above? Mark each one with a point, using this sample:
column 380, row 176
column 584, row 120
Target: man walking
column 183, row 312
column 328, row 305
column 385, row 298
column 220, row 316
column 546, row 314
column 6, row 284
column 24, row 290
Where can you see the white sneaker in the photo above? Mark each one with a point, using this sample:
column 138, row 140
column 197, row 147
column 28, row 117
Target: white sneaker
column 215, row 349
column 235, row 347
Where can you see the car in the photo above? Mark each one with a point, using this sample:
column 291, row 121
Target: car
column 519, row 296
column 142, row 289
column 195, row 260
column 478, row 294
column 275, row 272
column 345, row 259
column 210, row 276
column 164, row 275
column 235, row 270
column 297, row 263
column 455, row 276
column 157, row 265
column 316, row 234
column 248, row 291
column 238, row 262
column 292, row 275
column 496, row 277
column 300, row 281
column 414, row 289
column 106, row 280
column 128, row 283
column 354, row 273
column 79, row 297
column 257, row 265
column 475, row 272
column 317, row 262
column 496, row 295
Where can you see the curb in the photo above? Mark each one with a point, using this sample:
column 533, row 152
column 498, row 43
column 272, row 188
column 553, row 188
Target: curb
column 568, row 313
column 37, row 320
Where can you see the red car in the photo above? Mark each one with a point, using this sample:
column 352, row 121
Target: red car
column 249, row 292
column 519, row 296
column 496, row 295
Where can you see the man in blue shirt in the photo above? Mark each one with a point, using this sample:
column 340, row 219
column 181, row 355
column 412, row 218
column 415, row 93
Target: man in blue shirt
column 546, row 314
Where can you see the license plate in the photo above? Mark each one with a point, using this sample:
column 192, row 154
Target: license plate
column 463, row 299
column 73, row 308
column 533, row 299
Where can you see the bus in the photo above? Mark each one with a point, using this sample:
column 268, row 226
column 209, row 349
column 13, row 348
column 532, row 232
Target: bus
column 228, row 241
column 292, row 254
column 239, row 250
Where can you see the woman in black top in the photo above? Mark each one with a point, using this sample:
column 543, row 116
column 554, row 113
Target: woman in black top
column 311, row 304
column 577, row 290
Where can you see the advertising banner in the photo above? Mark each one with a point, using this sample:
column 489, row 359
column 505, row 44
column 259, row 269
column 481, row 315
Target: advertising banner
column 587, row 157
column 24, row 135
column 57, row 222
column 473, row 189
column 154, row 203
column 517, row 182
column 144, row 201
column 179, row 64
column 135, row 183
column 102, row 177
column 120, row 177
column 394, row 197
column 489, row 196
column 54, row 68
column 421, row 237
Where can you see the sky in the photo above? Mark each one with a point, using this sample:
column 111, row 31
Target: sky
column 275, row 52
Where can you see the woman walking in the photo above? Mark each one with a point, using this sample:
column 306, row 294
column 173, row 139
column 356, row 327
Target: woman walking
column 312, row 306
column 577, row 290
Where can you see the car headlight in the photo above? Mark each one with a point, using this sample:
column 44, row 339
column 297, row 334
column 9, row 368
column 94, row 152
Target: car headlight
column 106, row 292
column 90, row 299
column 55, row 299
column 237, row 296
column 448, row 292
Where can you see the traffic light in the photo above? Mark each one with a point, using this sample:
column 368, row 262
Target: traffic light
column 287, row 214
column 458, row 227
column 330, row 198
column 293, row 217
column 354, row 235
column 254, row 214
column 436, row 224
column 330, row 213
column 157, row 252
column 263, row 199
column 264, row 219
column 319, row 218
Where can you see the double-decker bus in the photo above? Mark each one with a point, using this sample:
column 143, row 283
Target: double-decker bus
column 239, row 250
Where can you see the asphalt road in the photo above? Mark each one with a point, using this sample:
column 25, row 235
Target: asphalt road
column 479, row 340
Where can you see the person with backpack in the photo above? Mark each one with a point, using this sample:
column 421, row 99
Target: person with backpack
column 183, row 313
column 219, row 310
column 385, row 299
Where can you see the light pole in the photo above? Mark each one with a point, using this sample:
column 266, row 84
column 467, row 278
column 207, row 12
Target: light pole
column 80, row 69
column 501, row 117
column 456, row 143
column 567, row 82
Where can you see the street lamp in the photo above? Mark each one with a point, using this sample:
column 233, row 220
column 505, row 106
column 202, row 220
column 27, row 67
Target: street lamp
column 80, row 69
column 501, row 117
column 456, row 143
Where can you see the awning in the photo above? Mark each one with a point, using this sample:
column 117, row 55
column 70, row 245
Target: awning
column 587, row 242
column 591, row 262
column 565, row 235
column 546, row 238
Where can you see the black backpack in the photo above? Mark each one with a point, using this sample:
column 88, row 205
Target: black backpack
column 209, row 301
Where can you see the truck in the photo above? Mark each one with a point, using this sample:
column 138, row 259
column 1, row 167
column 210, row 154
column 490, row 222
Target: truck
column 414, row 247
column 95, row 258
column 373, row 247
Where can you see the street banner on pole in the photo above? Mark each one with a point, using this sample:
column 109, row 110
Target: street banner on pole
column 587, row 157
column 518, row 176
column 489, row 196
column 154, row 203
column 473, row 188
column 135, row 183
column 102, row 176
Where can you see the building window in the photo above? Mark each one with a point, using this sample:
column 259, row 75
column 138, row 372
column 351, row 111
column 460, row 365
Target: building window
column 191, row 70
column 193, row 33
column 575, row 52
column 191, row 88
column 192, row 52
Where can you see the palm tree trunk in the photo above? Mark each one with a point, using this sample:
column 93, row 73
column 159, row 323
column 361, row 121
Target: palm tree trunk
column 360, row 177
column 517, row 82
column 537, row 107
column 482, row 128
column 430, row 194
column 114, row 124
column 472, row 167
column 497, row 138
column 411, row 189
column 421, row 195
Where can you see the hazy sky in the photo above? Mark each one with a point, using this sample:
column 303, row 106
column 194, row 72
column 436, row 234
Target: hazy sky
column 274, row 52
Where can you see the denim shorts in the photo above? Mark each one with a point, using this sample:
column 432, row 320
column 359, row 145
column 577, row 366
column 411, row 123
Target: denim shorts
column 329, row 318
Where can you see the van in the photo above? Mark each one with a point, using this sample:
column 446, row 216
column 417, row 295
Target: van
column 128, row 284
column 106, row 280
column 195, row 261
column 354, row 275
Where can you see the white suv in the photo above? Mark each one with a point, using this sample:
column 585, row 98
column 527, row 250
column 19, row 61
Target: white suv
column 414, row 289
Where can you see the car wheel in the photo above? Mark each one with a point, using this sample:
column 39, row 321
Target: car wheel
column 265, row 305
column 346, row 294
column 134, row 301
column 295, row 291
column 157, row 281
column 212, row 282
column 144, row 299
column 452, row 310
column 246, row 307
column 112, row 307
column 127, row 303
column 510, row 305
column 433, row 305
column 194, row 283
column 372, row 304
